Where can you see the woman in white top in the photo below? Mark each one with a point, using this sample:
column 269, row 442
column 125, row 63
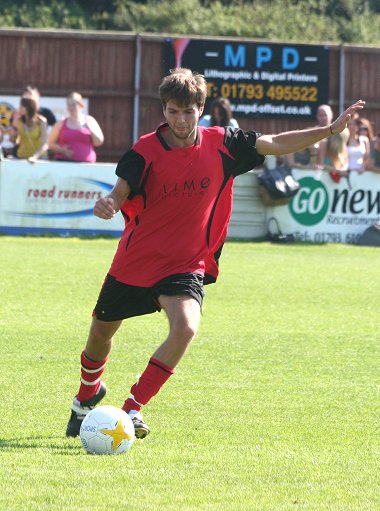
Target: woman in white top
column 357, row 147
column 220, row 115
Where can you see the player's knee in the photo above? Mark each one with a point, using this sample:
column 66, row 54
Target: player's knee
column 101, row 332
column 184, row 331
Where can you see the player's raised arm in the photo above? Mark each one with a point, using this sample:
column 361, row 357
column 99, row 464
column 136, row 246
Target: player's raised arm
column 108, row 206
column 293, row 141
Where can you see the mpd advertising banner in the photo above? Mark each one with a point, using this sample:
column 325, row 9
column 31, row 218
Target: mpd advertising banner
column 55, row 197
column 260, row 79
column 325, row 211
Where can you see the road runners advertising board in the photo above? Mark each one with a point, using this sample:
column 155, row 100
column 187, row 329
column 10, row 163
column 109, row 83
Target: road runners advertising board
column 55, row 198
column 325, row 211
column 259, row 79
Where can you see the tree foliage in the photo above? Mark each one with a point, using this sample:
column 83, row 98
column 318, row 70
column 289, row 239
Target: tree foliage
column 350, row 21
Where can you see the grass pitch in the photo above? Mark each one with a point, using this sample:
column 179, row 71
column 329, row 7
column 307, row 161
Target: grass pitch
column 274, row 408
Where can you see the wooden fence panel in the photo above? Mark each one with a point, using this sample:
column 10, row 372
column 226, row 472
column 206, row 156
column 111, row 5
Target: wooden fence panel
column 101, row 66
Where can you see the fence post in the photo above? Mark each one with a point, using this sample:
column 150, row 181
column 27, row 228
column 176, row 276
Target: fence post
column 342, row 79
column 136, row 98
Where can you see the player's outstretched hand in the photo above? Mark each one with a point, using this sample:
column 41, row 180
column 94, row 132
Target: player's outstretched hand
column 341, row 122
column 105, row 208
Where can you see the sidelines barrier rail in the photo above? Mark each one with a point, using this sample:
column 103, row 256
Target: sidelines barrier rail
column 58, row 198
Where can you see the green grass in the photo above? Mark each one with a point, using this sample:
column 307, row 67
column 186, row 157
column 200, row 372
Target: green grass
column 274, row 408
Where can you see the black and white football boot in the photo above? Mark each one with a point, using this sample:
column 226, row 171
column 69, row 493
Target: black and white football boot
column 79, row 410
column 141, row 428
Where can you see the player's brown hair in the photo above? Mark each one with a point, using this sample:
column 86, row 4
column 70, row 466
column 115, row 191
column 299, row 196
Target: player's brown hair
column 183, row 86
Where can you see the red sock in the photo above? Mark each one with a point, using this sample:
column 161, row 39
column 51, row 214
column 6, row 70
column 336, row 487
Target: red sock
column 149, row 383
column 91, row 375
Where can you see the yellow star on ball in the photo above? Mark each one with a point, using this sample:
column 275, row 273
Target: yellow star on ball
column 118, row 434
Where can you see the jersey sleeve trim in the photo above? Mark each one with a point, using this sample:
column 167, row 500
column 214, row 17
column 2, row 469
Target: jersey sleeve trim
column 131, row 167
column 241, row 145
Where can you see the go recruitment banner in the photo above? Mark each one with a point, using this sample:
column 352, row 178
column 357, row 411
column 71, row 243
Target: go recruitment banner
column 55, row 198
column 325, row 211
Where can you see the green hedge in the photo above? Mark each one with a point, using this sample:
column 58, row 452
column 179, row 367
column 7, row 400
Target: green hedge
column 350, row 21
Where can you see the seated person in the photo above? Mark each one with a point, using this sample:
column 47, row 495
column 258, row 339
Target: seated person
column 75, row 138
column 305, row 159
column 220, row 115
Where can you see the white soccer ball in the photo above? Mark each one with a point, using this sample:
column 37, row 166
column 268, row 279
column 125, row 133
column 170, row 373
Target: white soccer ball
column 107, row 430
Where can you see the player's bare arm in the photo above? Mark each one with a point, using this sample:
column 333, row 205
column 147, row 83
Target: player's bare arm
column 293, row 141
column 108, row 206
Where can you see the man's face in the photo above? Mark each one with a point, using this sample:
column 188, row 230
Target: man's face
column 182, row 120
column 324, row 116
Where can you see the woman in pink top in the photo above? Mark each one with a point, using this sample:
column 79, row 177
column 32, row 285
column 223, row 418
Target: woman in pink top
column 75, row 138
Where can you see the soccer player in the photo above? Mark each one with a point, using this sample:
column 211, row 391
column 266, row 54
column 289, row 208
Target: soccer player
column 174, row 189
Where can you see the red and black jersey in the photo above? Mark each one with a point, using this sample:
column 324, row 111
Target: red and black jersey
column 177, row 214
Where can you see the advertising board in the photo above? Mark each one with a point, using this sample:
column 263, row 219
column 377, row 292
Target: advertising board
column 55, row 197
column 259, row 79
column 325, row 211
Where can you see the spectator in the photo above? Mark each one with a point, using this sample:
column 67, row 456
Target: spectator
column 373, row 162
column 34, row 93
column 333, row 155
column 220, row 115
column 308, row 157
column 357, row 146
column 10, row 137
column 6, row 141
column 365, row 130
column 75, row 138
column 31, row 132
column 303, row 159
column 324, row 115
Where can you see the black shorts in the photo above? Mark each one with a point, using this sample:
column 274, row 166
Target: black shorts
column 119, row 301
